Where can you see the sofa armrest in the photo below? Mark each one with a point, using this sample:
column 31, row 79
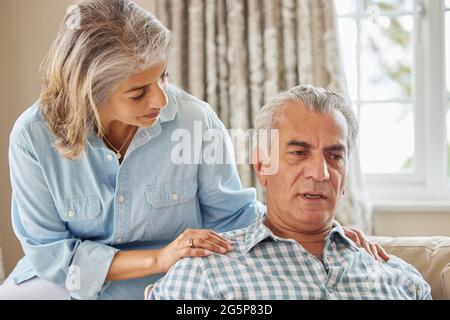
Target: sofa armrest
column 445, row 280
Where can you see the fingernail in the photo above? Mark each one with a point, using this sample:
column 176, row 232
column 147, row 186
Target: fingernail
column 223, row 250
column 208, row 253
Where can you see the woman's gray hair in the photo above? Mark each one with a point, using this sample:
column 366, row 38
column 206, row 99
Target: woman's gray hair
column 316, row 100
column 99, row 45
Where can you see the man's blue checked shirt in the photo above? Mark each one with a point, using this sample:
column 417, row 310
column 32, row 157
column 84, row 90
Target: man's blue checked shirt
column 264, row 266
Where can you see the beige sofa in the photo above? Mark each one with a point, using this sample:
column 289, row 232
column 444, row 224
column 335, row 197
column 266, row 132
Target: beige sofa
column 430, row 255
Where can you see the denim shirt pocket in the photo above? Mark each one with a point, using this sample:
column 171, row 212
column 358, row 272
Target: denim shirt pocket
column 172, row 208
column 83, row 216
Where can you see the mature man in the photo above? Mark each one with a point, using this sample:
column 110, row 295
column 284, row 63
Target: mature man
column 297, row 250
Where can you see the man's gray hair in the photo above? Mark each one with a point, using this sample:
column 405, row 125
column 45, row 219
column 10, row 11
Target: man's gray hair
column 316, row 100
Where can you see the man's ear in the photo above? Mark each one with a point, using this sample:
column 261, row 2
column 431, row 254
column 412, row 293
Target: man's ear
column 346, row 177
column 259, row 164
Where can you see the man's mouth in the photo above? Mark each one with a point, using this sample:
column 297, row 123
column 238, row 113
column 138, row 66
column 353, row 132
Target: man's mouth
column 313, row 196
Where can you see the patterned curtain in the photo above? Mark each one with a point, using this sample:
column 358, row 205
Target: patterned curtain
column 236, row 54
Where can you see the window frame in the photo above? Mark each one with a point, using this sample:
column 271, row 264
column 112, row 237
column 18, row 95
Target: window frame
column 428, row 182
column 447, row 85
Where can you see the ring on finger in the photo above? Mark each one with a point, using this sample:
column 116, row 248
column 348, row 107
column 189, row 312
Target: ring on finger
column 191, row 243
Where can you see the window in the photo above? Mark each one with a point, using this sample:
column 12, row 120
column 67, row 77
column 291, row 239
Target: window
column 378, row 36
column 394, row 54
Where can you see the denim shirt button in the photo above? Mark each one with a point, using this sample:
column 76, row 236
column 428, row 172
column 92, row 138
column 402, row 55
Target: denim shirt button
column 174, row 197
column 71, row 213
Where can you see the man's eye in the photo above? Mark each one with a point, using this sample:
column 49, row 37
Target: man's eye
column 337, row 157
column 298, row 153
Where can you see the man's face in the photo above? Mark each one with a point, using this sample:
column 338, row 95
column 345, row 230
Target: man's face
column 312, row 168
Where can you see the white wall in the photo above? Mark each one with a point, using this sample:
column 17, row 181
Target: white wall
column 27, row 29
column 2, row 273
column 433, row 222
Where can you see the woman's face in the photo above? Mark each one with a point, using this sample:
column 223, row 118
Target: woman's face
column 138, row 100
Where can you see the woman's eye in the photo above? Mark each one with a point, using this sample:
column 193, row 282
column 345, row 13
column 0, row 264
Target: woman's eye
column 164, row 78
column 140, row 97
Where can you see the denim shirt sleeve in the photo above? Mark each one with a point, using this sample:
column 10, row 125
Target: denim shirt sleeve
column 225, row 205
column 52, row 250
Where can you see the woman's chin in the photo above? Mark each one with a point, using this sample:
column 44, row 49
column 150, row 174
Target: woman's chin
column 147, row 122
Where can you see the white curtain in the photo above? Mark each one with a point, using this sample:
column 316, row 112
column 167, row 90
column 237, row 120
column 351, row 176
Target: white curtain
column 235, row 54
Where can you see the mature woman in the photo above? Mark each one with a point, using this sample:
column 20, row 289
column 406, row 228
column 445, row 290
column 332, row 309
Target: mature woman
column 99, row 207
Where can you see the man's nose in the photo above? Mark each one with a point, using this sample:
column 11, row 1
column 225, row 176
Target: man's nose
column 317, row 169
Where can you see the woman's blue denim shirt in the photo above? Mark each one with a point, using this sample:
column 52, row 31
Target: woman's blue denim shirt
column 73, row 216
